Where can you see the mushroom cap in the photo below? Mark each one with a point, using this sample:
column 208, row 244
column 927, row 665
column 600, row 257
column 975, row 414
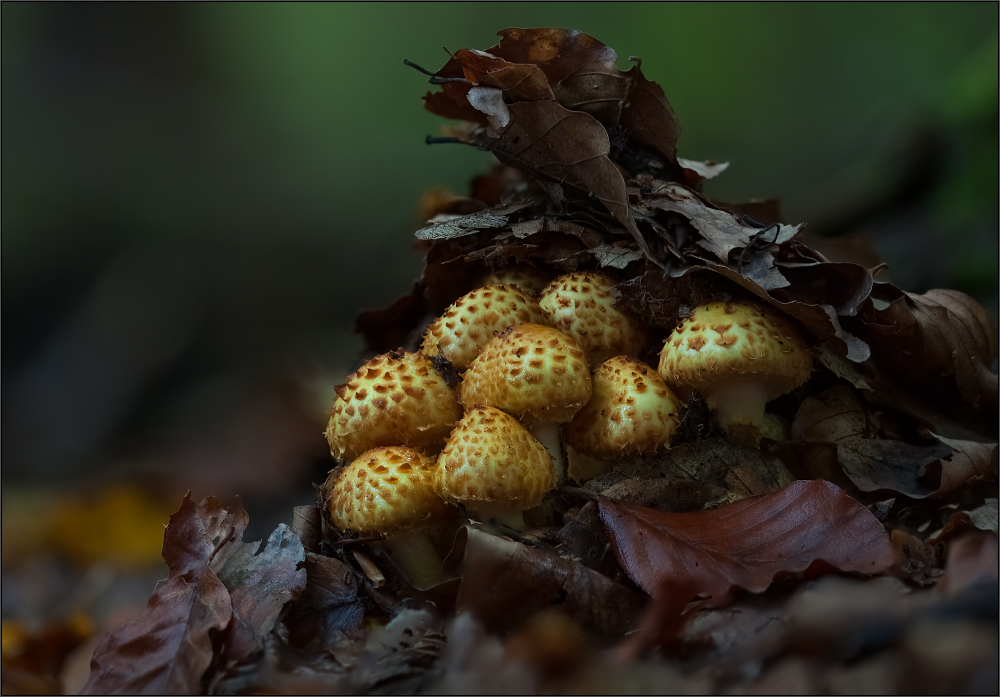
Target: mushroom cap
column 386, row 490
column 536, row 373
column 465, row 327
column 737, row 341
column 631, row 412
column 396, row 398
column 581, row 304
column 529, row 279
column 492, row 462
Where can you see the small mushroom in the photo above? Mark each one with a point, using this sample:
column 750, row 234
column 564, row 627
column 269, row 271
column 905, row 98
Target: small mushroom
column 739, row 357
column 529, row 279
column 632, row 412
column 390, row 491
column 494, row 467
column 536, row 373
column 581, row 304
column 396, row 398
column 465, row 327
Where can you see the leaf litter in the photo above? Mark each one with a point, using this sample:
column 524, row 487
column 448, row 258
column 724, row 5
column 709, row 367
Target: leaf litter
column 834, row 559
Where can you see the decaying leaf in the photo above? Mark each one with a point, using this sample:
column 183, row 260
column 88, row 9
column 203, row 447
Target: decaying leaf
column 746, row 543
column 398, row 657
column 690, row 476
column 838, row 417
column 946, row 339
column 876, row 464
column 328, row 607
column 168, row 648
column 967, row 460
column 504, row 583
column 260, row 583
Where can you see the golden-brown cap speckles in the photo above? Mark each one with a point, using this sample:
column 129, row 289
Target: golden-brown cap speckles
column 581, row 305
column 465, row 327
column 631, row 412
column 396, row 398
column 386, row 490
column 491, row 462
column 537, row 373
column 529, row 279
column 722, row 342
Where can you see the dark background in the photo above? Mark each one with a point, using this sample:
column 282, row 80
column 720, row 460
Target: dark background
column 199, row 198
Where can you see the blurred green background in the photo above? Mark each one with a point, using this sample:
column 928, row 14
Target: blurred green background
column 199, row 198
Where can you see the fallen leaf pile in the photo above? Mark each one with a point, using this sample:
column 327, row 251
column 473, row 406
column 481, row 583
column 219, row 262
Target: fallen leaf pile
column 855, row 553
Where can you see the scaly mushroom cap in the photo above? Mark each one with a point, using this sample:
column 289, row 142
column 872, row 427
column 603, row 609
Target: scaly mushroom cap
column 386, row 490
column 491, row 462
column 529, row 279
column 631, row 412
column 536, row 373
column 465, row 327
column 581, row 305
column 736, row 342
column 396, row 398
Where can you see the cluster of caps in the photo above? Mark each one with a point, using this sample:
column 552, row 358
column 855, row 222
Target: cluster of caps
column 545, row 364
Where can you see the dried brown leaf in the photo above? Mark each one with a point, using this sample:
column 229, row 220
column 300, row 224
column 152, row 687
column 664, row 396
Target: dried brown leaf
column 585, row 77
column 746, row 543
column 168, row 648
column 876, row 464
column 260, row 582
column 505, row 582
column 690, row 476
column 614, row 256
column 329, row 606
column 931, row 355
column 967, row 460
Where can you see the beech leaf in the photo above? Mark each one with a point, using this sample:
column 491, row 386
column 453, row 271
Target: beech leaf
column 944, row 337
column 505, row 582
column 746, row 543
column 260, row 583
column 168, row 648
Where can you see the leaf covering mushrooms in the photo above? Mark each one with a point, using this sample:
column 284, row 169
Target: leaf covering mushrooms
column 396, row 398
column 390, row 491
column 631, row 412
column 739, row 357
column 536, row 373
column 493, row 466
column 582, row 305
column 465, row 327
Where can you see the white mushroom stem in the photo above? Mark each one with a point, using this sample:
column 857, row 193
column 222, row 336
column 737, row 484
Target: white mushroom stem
column 739, row 408
column 550, row 436
column 416, row 556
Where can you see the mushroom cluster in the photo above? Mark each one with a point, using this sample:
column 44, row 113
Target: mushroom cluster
column 540, row 378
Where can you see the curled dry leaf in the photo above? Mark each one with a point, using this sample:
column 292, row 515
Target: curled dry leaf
column 746, row 543
column 260, row 583
column 983, row 518
column 875, row 464
column 968, row 459
column 504, row 583
column 836, row 416
column 944, row 337
column 168, row 648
